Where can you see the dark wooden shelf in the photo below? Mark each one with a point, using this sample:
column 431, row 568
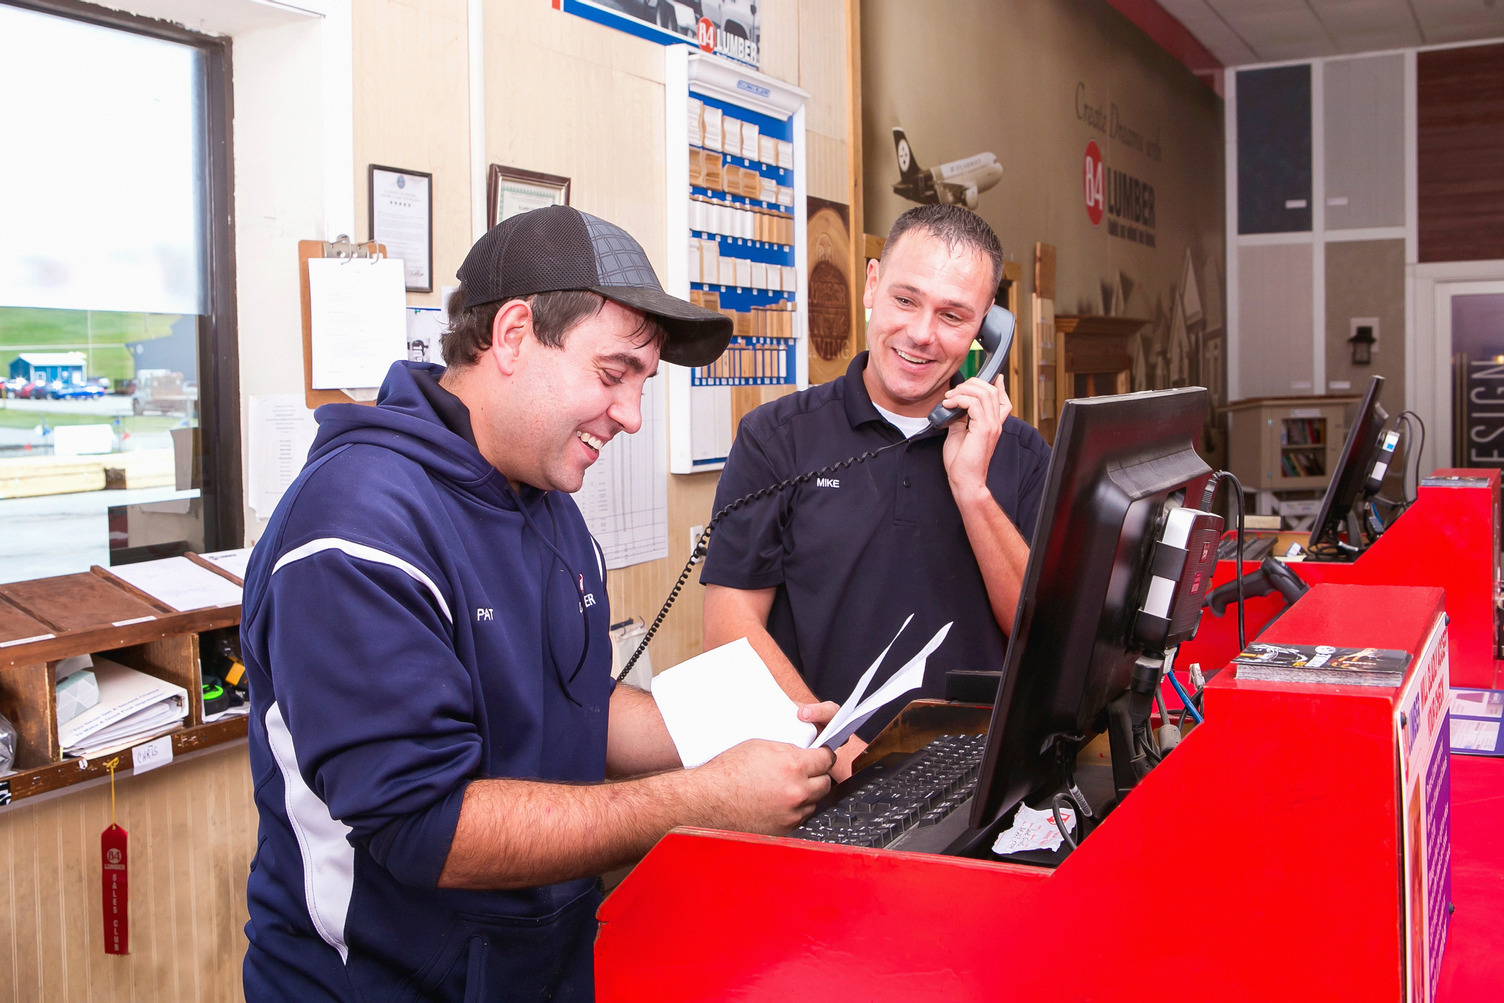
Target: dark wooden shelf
column 49, row 619
column 29, row 783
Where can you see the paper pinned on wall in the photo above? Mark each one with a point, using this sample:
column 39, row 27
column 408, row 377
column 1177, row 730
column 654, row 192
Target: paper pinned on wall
column 358, row 323
column 281, row 433
column 425, row 334
column 624, row 498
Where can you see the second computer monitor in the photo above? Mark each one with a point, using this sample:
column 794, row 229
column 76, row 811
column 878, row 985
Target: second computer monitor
column 1346, row 490
column 1119, row 464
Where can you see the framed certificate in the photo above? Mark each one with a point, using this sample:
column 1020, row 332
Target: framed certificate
column 511, row 190
column 401, row 217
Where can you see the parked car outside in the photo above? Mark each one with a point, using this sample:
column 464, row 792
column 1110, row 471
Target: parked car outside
column 33, row 391
column 75, row 391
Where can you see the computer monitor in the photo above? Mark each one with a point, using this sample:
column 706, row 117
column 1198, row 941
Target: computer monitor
column 1349, row 487
column 1121, row 468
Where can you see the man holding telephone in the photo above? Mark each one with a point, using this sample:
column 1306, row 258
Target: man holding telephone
column 819, row 578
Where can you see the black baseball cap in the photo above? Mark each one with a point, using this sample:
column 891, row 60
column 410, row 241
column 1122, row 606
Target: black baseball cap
column 558, row 248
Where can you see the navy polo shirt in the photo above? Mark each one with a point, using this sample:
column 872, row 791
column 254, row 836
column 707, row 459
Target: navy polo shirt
column 853, row 554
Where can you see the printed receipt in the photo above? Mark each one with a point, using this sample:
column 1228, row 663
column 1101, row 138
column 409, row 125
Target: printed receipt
column 1034, row 830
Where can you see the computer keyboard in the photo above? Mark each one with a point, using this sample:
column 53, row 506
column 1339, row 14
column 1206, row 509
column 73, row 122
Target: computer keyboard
column 896, row 803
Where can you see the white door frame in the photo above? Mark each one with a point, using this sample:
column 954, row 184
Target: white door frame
column 1429, row 349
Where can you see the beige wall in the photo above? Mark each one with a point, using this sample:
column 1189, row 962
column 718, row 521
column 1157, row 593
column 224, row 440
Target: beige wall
column 1004, row 76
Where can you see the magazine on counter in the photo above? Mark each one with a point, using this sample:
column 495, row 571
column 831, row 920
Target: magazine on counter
column 1322, row 663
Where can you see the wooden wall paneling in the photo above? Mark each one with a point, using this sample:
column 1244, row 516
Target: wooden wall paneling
column 1274, row 149
column 1013, row 273
column 781, row 47
column 823, row 72
column 412, row 112
column 1276, row 317
column 192, row 832
column 857, row 199
column 1045, row 393
column 827, row 164
column 1364, row 143
column 1460, row 153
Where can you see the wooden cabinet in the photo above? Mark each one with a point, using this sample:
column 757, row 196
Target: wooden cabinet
column 1286, row 443
column 1094, row 354
column 49, row 619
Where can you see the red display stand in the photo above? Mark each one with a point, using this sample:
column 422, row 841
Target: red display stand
column 1449, row 538
column 1261, row 860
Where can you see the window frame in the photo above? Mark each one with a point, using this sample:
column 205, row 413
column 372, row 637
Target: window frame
column 219, row 452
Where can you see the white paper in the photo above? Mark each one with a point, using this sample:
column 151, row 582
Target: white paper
column 233, row 561
column 179, row 583
column 400, row 211
column 149, row 755
column 359, row 330
column 722, row 698
column 624, row 497
column 1034, row 830
column 131, row 705
column 857, row 709
column 727, row 695
column 425, row 334
column 281, row 433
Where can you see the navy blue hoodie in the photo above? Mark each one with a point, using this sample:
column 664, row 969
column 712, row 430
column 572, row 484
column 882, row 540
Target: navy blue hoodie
column 410, row 624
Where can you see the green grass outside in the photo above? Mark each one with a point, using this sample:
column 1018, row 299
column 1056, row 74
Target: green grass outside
column 135, row 424
column 100, row 335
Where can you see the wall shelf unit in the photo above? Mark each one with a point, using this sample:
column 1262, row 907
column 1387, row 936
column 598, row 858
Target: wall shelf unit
column 49, row 619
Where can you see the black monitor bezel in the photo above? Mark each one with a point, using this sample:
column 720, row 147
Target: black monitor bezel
column 1157, row 432
column 1359, row 451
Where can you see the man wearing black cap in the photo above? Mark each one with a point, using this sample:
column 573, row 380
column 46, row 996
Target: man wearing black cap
column 425, row 633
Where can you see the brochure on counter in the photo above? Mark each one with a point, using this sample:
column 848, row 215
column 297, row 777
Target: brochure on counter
column 1476, row 715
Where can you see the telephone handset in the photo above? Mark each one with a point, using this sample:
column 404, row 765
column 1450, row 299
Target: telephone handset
column 996, row 337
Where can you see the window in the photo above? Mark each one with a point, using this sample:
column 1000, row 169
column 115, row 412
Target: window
column 119, row 416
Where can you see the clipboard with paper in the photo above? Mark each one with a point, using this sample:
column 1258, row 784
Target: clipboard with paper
column 354, row 319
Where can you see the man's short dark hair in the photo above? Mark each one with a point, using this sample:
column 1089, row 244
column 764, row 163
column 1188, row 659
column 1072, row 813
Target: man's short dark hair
column 554, row 315
column 958, row 227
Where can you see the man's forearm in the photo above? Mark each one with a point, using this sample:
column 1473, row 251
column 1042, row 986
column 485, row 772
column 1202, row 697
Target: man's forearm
column 637, row 740
column 1001, row 551
column 735, row 613
column 517, row 833
column 521, row 833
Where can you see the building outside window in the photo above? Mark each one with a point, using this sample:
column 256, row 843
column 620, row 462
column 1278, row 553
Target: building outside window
column 119, row 430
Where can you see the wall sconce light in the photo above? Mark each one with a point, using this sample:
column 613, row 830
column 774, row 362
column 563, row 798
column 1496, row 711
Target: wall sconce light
column 1362, row 344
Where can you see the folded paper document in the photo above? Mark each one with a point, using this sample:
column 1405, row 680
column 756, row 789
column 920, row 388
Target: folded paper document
column 132, row 706
column 727, row 696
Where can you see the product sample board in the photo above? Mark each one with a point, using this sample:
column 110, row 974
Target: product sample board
column 736, row 205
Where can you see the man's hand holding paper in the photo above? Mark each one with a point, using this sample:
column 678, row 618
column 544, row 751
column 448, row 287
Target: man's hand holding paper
column 726, row 696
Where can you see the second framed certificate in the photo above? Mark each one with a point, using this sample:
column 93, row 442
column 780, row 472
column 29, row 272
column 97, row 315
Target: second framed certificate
column 511, row 190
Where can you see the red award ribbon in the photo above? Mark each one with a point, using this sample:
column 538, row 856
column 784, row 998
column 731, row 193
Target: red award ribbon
column 114, row 863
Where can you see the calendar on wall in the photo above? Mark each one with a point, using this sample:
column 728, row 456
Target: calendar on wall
column 736, row 197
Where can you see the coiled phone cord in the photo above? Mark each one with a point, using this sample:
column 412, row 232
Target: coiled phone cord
column 703, row 543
